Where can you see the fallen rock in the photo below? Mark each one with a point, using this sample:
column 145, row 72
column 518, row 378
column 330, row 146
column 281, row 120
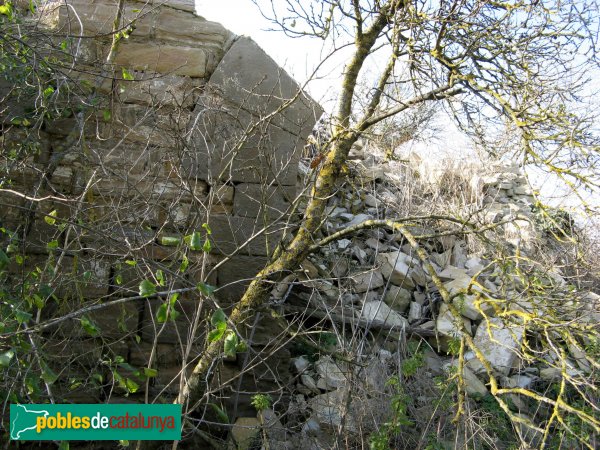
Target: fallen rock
column 366, row 281
column 246, row 432
column 397, row 298
column 379, row 311
column 499, row 344
column 473, row 385
column 415, row 312
column 332, row 372
column 446, row 323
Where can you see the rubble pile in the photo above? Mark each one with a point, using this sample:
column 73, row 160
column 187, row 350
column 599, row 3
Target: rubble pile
column 373, row 283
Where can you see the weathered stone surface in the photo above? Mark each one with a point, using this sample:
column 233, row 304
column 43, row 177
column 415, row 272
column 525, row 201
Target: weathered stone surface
column 499, row 344
column 334, row 373
column 231, row 145
column 395, row 269
column 235, row 275
column 379, row 311
column 246, row 432
column 397, row 298
column 366, row 281
column 256, row 200
column 158, row 90
column 248, row 77
column 231, row 232
column 163, row 58
column 446, row 323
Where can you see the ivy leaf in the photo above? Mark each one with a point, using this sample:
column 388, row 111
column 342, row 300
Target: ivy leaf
column 48, row 375
column 215, row 335
column 218, row 318
column 22, row 316
column 184, row 264
column 50, row 218
column 207, row 228
column 160, row 277
column 4, row 260
column 162, row 313
column 205, row 289
column 206, row 247
column 48, row 91
column 6, row 357
column 147, row 288
column 52, row 245
column 170, row 241
column 126, row 74
column 221, row 413
column 131, row 386
column 90, row 327
column 196, row 241
column 230, row 344
column 150, row 373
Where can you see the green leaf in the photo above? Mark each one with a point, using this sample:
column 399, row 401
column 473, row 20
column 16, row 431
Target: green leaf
column 173, row 298
column 205, row 289
column 160, row 277
column 162, row 313
column 126, row 74
column 48, row 375
column 4, row 260
column 221, row 413
column 50, row 218
column 242, row 347
column 215, row 335
column 174, row 314
column 6, row 357
column 147, row 288
column 119, row 279
column 150, row 373
column 64, row 45
column 230, row 344
column 64, row 445
column 6, row 9
column 22, row 316
column 207, row 228
column 106, row 115
column 170, row 241
column 184, row 264
column 48, row 91
column 89, row 326
column 206, row 247
column 131, row 386
column 52, row 245
column 131, row 263
column 196, row 241
column 218, row 317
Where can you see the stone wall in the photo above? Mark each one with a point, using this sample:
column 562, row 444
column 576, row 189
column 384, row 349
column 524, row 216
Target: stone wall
column 208, row 131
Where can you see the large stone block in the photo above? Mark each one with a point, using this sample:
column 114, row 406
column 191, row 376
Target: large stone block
column 249, row 78
column 256, row 200
column 229, row 233
column 235, row 275
column 233, row 145
column 182, row 27
column 158, row 90
column 94, row 17
column 169, row 59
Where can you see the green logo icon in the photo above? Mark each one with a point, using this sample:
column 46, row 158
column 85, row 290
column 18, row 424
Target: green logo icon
column 95, row 422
